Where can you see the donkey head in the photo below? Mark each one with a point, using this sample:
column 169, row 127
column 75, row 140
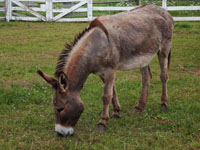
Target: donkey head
column 67, row 104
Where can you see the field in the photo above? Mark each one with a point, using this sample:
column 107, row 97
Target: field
column 26, row 114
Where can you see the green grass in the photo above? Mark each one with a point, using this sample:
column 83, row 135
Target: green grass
column 26, row 114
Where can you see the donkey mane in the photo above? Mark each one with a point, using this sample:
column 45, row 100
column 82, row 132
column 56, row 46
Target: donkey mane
column 62, row 59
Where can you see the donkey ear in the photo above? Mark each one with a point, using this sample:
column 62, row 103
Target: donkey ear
column 53, row 82
column 62, row 80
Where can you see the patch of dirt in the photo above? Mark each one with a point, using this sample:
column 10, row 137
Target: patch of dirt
column 197, row 72
column 194, row 71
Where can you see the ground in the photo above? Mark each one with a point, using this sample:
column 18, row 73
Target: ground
column 26, row 114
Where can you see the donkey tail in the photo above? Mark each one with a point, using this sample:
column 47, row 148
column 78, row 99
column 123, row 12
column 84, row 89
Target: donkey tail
column 150, row 71
column 169, row 58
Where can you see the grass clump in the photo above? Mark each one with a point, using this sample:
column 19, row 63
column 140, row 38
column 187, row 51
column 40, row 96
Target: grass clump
column 183, row 25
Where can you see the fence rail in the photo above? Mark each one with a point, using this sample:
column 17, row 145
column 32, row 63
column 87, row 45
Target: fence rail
column 2, row 9
column 69, row 10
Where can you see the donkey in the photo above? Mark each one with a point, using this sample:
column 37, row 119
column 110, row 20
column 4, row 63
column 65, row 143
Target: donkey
column 124, row 41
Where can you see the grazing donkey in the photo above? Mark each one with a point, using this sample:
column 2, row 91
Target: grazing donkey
column 124, row 41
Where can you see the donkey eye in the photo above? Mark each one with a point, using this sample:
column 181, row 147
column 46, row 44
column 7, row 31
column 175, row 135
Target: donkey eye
column 60, row 109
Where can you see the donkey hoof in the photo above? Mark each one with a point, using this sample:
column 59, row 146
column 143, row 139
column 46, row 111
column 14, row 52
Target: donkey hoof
column 115, row 116
column 101, row 127
column 137, row 110
column 164, row 107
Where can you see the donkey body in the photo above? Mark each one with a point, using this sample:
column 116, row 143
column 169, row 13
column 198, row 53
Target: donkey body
column 124, row 41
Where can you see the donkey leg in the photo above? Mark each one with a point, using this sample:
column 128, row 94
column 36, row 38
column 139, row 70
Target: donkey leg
column 107, row 97
column 115, row 102
column 146, row 77
column 164, row 65
column 116, row 105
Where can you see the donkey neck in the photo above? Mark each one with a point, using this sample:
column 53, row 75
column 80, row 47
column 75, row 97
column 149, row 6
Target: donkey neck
column 76, row 78
column 77, row 69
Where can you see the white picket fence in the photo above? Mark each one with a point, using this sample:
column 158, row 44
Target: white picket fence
column 44, row 10
column 2, row 9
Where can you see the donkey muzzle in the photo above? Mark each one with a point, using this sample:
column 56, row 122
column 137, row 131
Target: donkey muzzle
column 63, row 131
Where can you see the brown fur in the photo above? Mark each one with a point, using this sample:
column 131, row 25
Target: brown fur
column 97, row 23
column 139, row 7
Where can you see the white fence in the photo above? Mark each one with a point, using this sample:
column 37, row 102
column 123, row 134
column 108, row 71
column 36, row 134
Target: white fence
column 44, row 10
column 181, row 8
column 2, row 9
column 50, row 10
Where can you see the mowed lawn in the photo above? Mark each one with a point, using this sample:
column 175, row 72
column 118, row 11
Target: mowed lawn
column 26, row 114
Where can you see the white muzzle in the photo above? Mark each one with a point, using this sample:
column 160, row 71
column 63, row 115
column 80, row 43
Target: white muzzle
column 64, row 130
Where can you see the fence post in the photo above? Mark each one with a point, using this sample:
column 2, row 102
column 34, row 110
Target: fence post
column 89, row 7
column 164, row 4
column 8, row 10
column 49, row 10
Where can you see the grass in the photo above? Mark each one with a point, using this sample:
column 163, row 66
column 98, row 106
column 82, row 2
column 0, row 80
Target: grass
column 27, row 118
